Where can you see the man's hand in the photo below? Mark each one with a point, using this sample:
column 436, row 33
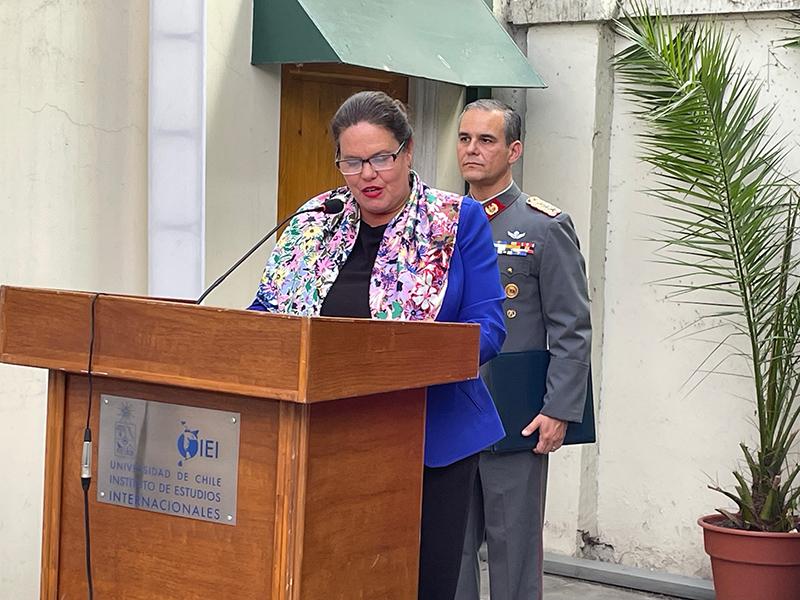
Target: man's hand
column 551, row 433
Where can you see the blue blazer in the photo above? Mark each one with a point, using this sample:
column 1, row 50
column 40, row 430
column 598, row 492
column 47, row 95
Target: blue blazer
column 461, row 418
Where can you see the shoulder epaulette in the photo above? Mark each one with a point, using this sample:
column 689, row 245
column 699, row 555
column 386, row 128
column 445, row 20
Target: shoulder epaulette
column 542, row 206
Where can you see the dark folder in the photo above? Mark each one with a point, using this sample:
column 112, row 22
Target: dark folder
column 518, row 381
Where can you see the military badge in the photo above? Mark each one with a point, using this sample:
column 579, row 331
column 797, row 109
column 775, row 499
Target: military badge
column 516, row 235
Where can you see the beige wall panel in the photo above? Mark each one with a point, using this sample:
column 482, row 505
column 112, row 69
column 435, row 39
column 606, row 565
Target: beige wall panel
column 243, row 112
column 560, row 123
column 73, row 202
column 450, row 103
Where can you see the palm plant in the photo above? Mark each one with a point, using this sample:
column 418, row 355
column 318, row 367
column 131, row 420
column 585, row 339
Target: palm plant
column 729, row 224
column 793, row 31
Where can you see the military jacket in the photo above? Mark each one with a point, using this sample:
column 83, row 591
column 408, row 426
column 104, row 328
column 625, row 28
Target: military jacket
column 547, row 303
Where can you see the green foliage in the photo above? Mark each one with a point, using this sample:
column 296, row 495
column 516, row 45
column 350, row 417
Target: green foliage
column 729, row 226
column 793, row 31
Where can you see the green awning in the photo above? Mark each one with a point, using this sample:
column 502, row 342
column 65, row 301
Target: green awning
column 456, row 41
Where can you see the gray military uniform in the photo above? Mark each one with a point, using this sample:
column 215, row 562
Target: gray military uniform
column 546, row 307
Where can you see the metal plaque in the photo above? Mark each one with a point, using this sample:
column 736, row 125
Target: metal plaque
column 168, row 458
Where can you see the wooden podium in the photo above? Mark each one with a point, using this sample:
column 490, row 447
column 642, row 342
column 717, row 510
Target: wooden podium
column 330, row 447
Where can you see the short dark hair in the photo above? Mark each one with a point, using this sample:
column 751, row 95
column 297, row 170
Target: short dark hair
column 376, row 108
column 513, row 122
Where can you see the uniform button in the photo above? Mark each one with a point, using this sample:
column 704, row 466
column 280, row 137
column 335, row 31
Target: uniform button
column 509, row 270
column 511, row 313
column 512, row 291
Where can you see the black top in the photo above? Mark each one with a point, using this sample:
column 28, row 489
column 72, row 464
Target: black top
column 349, row 294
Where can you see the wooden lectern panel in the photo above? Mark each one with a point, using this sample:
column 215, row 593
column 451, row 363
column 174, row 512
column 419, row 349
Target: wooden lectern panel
column 359, row 541
column 155, row 341
column 330, row 450
column 281, row 357
column 329, row 500
column 355, row 357
column 143, row 555
column 42, row 328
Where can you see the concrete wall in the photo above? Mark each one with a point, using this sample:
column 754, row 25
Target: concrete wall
column 571, row 119
column 449, row 106
column 243, row 117
column 73, row 201
column 434, row 108
column 663, row 434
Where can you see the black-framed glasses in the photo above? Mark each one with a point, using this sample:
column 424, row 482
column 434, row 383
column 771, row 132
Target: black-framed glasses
column 379, row 162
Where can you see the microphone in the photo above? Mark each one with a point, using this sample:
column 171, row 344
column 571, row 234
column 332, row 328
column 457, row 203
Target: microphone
column 331, row 206
column 86, row 459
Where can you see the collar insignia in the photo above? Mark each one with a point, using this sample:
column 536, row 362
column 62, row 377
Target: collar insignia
column 493, row 207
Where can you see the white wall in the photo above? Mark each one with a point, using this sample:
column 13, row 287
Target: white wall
column 661, row 440
column 242, row 152
column 73, row 201
column 559, row 122
column 449, row 106
column 434, row 108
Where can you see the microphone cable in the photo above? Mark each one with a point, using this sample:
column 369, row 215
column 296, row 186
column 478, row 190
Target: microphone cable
column 331, row 206
column 86, row 453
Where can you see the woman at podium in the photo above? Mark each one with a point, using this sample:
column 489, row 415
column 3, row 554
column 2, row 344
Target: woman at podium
column 402, row 250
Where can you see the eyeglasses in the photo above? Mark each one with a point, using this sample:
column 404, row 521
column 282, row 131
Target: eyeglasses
column 379, row 162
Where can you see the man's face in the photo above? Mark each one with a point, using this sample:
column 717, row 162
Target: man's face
column 483, row 155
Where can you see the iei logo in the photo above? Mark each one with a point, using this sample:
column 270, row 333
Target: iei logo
column 190, row 444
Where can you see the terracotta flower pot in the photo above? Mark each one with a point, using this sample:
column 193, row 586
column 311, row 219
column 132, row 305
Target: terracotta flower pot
column 750, row 565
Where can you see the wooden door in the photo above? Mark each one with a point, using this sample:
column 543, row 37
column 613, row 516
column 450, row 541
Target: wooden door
column 310, row 95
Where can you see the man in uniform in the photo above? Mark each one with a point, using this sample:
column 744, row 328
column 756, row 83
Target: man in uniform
column 546, row 308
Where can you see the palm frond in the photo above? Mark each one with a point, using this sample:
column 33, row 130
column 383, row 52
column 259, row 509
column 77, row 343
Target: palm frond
column 792, row 30
column 728, row 220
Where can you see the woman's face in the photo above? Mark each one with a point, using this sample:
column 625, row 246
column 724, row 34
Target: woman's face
column 380, row 194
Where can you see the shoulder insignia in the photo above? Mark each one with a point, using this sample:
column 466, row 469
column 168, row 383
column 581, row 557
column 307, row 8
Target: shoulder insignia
column 542, row 206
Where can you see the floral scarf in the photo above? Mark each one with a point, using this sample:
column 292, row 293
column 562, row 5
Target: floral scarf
column 409, row 278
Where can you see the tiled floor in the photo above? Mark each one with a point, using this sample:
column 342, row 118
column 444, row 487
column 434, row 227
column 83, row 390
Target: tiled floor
column 563, row 588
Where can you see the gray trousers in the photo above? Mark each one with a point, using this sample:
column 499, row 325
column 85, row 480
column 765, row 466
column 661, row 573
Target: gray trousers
column 507, row 508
